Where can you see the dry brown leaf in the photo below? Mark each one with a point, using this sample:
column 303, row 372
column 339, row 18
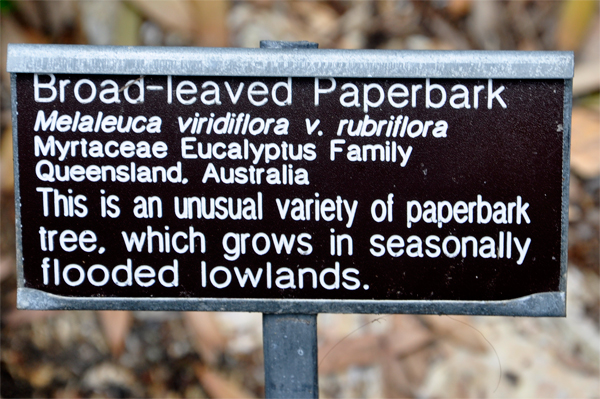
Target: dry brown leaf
column 360, row 351
column 9, row 302
column 18, row 317
column 590, row 48
column 60, row 15
column 98, row 20
column 67, row 393
column 208, row 339
column 52, row 17
column 210, row 23
column 408, row 335
column 127, row 30
column 31, row 13
column 485, row 22
column 458, row 8
column 217, row 386
column 116, row 325
column 417, row 365
column 42, row 375
column 176, row 15
column 586, row 79
column 7, row 267
column 585, row 142
column 575, row 19
column 449, row 34
column 457, row 329
column 396, row 383
column 320, row 20
column 7, row 179
column 406, row 359
column 403, row 377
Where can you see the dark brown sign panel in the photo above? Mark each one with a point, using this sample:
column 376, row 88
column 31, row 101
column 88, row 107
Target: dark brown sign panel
column 386, row 189
column 290, row 187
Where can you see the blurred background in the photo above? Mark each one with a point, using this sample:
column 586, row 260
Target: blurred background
column 219, row 355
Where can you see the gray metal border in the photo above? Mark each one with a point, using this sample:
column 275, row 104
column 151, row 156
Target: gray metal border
column 27, row 58
column 30, row 58
column 18, row 225
column 548, row 304
column 564, row 245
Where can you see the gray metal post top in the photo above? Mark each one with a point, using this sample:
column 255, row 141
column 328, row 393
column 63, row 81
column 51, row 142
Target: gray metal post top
column 298, row 62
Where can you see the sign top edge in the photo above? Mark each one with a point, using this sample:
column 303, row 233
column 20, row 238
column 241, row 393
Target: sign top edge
column 127, row 60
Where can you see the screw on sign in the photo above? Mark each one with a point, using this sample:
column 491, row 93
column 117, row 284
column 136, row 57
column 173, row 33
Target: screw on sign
column 291, row 181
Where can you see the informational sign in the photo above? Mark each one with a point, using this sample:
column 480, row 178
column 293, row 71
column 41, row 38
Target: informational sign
column 291, row 191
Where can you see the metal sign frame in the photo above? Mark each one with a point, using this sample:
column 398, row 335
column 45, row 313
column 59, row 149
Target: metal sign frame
column 298, row 62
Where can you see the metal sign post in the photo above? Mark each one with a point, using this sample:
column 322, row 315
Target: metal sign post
column 290, row 340
column 290, row 348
